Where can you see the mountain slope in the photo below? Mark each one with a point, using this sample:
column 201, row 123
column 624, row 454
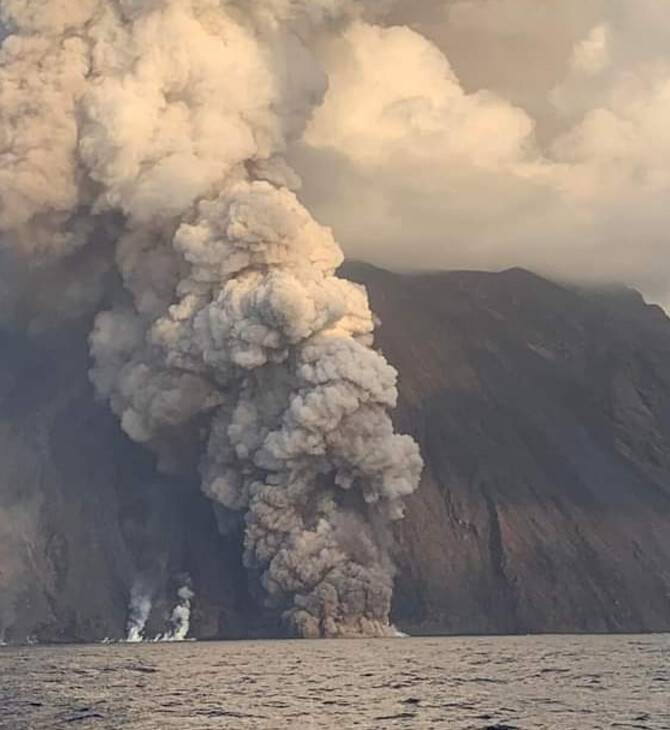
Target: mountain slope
column 543, row 413
column 84, row 515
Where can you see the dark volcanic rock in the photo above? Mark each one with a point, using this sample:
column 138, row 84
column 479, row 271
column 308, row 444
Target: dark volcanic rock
column 83, row 511
column 543, row 414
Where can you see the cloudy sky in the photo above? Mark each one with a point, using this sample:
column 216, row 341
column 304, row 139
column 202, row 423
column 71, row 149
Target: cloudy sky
column 456, row 134
column 496, row 133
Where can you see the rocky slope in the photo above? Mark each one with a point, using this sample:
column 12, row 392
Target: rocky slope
column 543, row 413
column 83, row 513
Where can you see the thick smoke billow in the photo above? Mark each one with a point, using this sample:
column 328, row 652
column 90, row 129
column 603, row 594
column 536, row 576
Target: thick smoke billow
column 158, row 130
column 496, row 133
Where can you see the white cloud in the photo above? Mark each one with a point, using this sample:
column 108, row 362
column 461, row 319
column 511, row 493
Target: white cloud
column 542, row 143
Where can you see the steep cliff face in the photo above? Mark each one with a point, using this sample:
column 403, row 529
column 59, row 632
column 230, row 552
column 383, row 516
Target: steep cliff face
column 83, row 513
column 543, row 414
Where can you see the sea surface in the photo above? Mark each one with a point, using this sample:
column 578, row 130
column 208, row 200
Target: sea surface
column 556, row 682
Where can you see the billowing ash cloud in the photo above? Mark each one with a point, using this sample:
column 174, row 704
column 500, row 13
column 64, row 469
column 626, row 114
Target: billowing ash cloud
column 155, row 131
column 495, row 133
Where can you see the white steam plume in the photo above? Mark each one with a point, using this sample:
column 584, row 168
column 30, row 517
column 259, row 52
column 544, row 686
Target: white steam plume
column 161, row 126
column 180, row 620
column 138, row 612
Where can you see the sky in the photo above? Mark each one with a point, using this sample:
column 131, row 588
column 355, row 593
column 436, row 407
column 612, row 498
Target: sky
column 487, row 134
column 477, row 134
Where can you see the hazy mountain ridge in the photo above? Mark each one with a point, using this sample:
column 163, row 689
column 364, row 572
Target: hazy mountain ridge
column 543, row 414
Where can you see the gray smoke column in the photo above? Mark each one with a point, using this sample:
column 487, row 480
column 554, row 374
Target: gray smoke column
column 158, row 128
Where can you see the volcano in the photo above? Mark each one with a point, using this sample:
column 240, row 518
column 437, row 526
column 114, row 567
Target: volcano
column 543, row 415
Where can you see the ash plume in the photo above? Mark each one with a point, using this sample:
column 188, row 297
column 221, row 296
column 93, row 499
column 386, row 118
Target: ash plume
column 158, row 131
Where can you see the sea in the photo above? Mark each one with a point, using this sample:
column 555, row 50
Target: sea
column 527, row 682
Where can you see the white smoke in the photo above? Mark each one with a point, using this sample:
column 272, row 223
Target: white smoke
column 138, row 612
column 180, row 620
column 161, row 126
